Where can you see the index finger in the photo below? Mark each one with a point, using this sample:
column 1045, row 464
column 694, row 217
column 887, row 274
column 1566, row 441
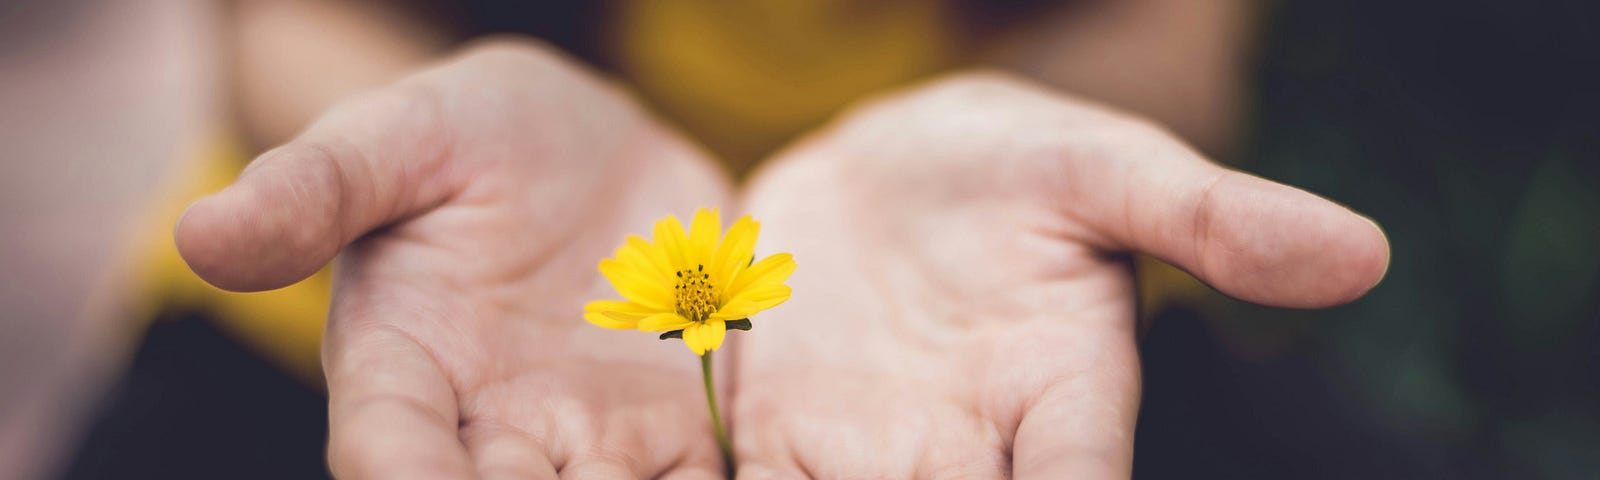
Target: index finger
column 392, row 413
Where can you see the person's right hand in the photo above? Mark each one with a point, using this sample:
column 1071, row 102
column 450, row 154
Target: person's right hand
column 471, row 203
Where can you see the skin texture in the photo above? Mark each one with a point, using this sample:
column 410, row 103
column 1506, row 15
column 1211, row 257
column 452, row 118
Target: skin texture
column 964, row 307
column 471, row 202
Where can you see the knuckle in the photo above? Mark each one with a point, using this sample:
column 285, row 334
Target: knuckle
column 513, row 51
column 985, row 81
column 314, row 181
column 985, row 87
column 1029, row 102
column 527, row 64
column 979, row 90
column 409, row 103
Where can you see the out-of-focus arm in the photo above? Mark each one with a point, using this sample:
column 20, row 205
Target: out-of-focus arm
column 1180, row 62
column 293, row 59
column 98, row 102
column 102, row 104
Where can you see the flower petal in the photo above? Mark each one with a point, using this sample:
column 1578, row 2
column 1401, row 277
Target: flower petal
column 713, row 332
column 772, row 270
column 670, row 238
column 616, row 314
column 645, row 258
column 704, row 234
column 636, row 286
column 735, row 310
column 664, row 322
column 702, row 337
column 620, row 309
column 602, row 320
column 764, row 297
column 654, row 252
column 737, row 247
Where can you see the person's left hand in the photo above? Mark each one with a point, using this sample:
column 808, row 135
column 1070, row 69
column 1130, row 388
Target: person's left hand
column 964, row 307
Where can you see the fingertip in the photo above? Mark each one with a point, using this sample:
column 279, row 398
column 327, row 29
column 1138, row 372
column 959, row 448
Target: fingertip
column 202, row 236
column 1369, row 260
column 260, row 233
column 1346, row 257
column 1278, row 245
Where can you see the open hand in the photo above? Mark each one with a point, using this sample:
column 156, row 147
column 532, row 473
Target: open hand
column 965, row 307
column 471, row 202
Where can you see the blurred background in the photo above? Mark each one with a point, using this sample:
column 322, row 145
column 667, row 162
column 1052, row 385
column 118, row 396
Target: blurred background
column 1467, row 128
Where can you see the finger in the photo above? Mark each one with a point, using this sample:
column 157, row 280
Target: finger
column 367, row 162
column 1250, row 238
column 693, row 472
column 763, row 451
column 599, row 467
column 962, row 459
column 1082, row 425
column 507, row 454
column 697, row 464
column 391, row 412
column 760, row 470
column 626, row 465
column 647, row 459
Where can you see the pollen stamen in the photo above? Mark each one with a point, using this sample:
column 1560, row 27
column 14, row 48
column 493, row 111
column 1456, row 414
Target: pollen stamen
column 696, row 296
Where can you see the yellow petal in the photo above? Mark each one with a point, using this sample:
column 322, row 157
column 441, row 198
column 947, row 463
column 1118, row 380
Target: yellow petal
column 735, row 310
column 654, row 253
column 664, row 322
column 764, row 297
column 636, row 286
column 671, row 239
column 713, row 332
column 704, row 234
column 602, row 320
column 691, row 339
column 620, row 309
column 701, row 337
column 735, row 252
column 772, row 270
column 645, row 258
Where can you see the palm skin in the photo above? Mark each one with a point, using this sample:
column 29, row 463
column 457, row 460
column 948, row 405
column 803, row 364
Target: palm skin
column 964, row 307
column 455, row 347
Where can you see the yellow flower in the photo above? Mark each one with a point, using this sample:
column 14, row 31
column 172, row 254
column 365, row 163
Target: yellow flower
column 696, row 283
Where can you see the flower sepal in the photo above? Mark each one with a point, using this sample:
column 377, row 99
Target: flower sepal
column 740, row 324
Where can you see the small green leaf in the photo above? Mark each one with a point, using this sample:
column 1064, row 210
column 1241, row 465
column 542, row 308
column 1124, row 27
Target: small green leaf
column 740, row 324
column 672, row 334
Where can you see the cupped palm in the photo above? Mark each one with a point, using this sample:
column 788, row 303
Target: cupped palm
column 471, row 202
column 966, row 308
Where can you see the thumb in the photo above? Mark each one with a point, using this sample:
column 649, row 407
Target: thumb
column 367, row 162
column 1248, row 237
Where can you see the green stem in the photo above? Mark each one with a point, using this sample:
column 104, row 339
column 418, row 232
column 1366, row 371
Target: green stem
column 716, row 415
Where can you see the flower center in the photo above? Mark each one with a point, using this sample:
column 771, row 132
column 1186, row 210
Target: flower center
column 697, row 297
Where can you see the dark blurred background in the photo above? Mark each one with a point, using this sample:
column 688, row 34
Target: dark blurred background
column 1467, row 128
